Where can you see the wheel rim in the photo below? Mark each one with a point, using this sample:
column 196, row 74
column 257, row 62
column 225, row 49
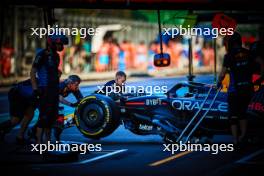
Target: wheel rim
column 93, row 116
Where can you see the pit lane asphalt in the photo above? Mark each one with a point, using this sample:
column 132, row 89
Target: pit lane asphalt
column 124, row 153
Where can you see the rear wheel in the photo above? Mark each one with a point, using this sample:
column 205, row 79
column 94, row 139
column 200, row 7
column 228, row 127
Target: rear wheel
column 96, row 116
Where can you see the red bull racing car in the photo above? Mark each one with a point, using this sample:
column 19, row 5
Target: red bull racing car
column 186, row 111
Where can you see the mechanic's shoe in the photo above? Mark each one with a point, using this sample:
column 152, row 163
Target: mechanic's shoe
column 20, row 141
column 57, row 133
column 31, row 134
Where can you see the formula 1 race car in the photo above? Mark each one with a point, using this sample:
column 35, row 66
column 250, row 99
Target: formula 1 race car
column 186, row 111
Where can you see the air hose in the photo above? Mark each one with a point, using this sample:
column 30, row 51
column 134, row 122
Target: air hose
column 201, row 119
column 197, row 113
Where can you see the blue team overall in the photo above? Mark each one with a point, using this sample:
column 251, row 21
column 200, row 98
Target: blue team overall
column 46, row 63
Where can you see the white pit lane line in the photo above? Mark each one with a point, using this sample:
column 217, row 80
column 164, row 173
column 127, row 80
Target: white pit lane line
column 106, row 154
column 90, row 160
column 246, row 159
column 102, row 156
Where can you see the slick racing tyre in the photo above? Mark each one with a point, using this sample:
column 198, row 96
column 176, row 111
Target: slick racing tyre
column 96, row 116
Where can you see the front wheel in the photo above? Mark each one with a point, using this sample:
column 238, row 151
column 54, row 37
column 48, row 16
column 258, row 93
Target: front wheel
column 96, row 116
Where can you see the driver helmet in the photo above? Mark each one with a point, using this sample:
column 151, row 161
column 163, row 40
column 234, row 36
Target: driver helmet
column 74, row 78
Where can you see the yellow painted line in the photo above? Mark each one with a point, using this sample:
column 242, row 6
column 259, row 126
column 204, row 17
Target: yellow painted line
column 169, row 158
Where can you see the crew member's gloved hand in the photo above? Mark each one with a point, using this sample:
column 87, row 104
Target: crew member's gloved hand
column 36, row 94
column 115, row 96
column 74, row 104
